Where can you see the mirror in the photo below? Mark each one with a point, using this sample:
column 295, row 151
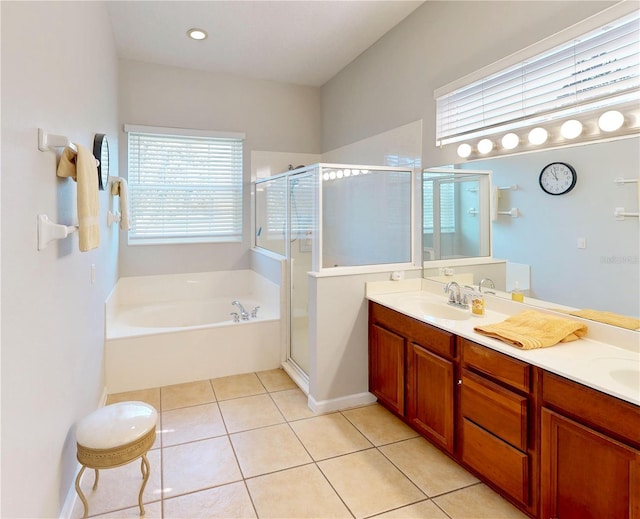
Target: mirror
column 455, row 214
column 101, row 153
column 572, row 248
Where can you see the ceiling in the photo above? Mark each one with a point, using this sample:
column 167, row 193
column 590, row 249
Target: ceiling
column 304, row 42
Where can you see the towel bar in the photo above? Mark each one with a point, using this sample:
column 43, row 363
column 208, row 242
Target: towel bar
column 621, row 180
column 48, row 231
column 620, row 213
column 512, row 187
column 514, row 213
column 49, row 142
column 113, row 217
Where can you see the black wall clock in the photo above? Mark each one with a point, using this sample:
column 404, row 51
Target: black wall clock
column 558, row 178
column 101, row 153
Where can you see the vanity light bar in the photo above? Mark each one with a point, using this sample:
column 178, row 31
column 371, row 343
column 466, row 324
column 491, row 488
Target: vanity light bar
column 608, row 124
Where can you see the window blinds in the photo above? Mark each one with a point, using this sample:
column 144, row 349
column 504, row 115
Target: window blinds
column 184, row 188
column 601, row 68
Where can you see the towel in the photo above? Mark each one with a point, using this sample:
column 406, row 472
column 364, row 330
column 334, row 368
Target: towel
column 495, row 200
column 631, row 323
column 81, row 166
column 119, row 188
column 532, row 329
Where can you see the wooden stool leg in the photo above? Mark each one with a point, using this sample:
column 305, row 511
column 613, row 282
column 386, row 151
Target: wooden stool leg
column 79, row 491
column 145, row 468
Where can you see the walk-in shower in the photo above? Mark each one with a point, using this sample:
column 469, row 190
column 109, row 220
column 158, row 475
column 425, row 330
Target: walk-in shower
column 328, row 219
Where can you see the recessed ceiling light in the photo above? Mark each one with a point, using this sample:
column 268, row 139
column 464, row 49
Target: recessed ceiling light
column 197, row 34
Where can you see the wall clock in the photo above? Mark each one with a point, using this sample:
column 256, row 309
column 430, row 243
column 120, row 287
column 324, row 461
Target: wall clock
column 558, row 178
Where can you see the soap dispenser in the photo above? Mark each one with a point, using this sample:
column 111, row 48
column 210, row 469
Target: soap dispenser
column 516, row 294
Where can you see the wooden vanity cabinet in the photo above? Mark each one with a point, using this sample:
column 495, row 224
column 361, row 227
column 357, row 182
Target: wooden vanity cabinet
column 553, row 447
column 590, row 457
column 412, row 372
column 495, row 411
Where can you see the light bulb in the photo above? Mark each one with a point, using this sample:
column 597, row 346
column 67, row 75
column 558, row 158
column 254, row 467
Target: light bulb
column 571, row 129
column 464, row 150
column 611, row 121
column 485, row 146
column 325, row 176
column 510, row 141
column 332, row 175
column 538, row 136
column 347, row 172
column 339, row 174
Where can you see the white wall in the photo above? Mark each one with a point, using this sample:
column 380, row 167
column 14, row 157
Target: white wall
column 59, row 72
column 275, row 116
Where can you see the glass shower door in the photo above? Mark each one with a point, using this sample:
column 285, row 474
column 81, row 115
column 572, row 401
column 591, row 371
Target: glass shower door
column 301, row 227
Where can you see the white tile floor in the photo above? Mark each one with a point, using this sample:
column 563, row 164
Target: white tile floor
column 248, row 446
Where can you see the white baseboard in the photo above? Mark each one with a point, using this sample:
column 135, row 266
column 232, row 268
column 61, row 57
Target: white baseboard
column 344, row 402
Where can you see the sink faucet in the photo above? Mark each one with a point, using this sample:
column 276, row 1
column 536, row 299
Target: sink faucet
column 490, row 284
column 456, row 297
column 243, row 313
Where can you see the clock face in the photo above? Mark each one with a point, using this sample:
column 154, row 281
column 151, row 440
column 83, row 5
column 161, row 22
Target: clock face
column 558, row 178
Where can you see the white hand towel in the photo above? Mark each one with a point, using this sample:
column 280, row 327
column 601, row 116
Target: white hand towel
column 495, row 200
column 81, row 166
column 119, row 188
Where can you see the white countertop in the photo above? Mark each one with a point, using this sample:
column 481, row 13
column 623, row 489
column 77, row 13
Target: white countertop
column 609, row 364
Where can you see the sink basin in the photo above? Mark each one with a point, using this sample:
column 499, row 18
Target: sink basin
column 627, row 377
column 440, row 311
column 625, row 372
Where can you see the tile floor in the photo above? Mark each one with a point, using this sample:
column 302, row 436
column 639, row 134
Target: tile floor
column 248, row 446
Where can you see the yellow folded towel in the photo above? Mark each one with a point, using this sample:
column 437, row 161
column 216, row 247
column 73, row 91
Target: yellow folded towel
column 531, row 329
column 631, row 323
column 119, row 188
column 81, row 167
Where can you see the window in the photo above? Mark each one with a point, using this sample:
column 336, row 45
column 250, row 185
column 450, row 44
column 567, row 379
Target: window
column 595, row 66
column 445, row 194
column 185, row 185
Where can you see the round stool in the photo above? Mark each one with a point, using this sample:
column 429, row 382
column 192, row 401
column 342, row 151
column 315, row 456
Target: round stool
column 115, row 435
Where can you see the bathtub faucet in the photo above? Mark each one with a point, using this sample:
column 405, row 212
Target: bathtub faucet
column 254, row 312
column 243, row 313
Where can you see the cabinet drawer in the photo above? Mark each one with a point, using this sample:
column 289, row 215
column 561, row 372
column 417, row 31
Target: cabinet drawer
column 434, row 339
column 495, row 408
column 497, row 365
column 506, row 467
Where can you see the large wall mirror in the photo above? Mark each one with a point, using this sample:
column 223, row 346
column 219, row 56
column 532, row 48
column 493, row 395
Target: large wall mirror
column 577, row 252
column 455, row 214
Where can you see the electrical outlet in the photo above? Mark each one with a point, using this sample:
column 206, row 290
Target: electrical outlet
column 582, row 243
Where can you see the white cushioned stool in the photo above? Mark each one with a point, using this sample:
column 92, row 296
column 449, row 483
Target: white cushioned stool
column 115, row 435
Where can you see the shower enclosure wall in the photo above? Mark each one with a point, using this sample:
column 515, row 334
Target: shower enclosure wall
column 332, row 219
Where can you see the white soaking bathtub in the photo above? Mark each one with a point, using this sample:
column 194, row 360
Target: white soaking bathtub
column 171, row 329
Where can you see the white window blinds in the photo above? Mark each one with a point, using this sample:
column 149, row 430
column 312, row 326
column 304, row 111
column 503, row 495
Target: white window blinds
column 443, row 193
column 184, row 188
column 600, row 68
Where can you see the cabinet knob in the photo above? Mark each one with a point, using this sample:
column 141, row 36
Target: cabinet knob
column 459, row 382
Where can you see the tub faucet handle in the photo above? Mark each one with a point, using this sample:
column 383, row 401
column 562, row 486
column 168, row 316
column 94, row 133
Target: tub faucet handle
column 254, row 312
column 236, row 317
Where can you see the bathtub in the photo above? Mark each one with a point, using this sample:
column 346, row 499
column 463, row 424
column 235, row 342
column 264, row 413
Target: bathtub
column 171, row 329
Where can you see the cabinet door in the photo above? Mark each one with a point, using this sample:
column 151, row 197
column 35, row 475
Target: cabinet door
column 585, row 474
column 386, row 367
column 430, row 395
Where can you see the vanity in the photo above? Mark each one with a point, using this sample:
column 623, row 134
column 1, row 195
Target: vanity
column 556, row 431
